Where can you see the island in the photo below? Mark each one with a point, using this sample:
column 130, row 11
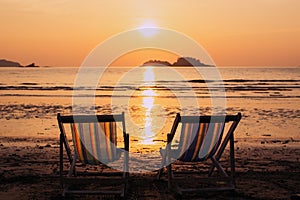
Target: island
column 181, row 61
column 31, row 65
column 8, row 63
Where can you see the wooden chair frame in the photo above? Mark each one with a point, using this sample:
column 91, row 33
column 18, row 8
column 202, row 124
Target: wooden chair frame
column 72, row 175
column 229, row 178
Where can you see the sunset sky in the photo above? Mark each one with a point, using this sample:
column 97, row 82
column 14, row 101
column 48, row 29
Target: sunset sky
column 234, row 32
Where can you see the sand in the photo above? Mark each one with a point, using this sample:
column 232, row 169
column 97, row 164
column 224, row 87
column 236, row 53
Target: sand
column 266, row 169
column 267, row 153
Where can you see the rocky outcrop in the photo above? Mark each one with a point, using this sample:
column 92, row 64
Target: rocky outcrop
column 7, row 63
column 181, row 61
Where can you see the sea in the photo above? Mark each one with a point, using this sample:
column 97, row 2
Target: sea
column 150, row 97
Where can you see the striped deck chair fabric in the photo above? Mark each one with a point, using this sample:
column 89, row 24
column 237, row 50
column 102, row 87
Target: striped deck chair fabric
column 199, row 140
column 95, row 142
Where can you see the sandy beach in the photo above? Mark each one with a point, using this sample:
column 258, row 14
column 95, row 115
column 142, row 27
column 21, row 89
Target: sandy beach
column 266, row 169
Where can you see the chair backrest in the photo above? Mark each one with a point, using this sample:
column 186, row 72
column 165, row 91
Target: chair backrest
column 201, row 136
column 94, row 136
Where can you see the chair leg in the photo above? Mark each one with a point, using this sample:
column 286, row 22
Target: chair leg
column 220, row 152
column 170, row 176
column 126, row 165
column 159, row 173
column 218, row 165
column 72, row 167
column 61, row 161
column 161, row 170
column 232, row 160
column 163, row 163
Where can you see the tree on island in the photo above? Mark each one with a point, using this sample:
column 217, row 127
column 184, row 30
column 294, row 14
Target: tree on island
column 188, row 61
column 181, row 61
column 157, row 63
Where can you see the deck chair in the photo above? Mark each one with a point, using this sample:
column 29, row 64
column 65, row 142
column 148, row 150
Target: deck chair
column 94, row 145
column 202, row 138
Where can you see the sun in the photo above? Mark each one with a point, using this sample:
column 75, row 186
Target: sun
column 148, row 28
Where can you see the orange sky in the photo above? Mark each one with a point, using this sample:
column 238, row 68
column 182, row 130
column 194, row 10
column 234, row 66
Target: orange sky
column 234, row 32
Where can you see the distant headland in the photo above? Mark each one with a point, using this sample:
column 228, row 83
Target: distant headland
column 8, row 63
column 181, row 61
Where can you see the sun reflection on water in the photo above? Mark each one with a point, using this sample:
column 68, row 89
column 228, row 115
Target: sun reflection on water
column 149, row 77
column 147, row 110
column 148, row 104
